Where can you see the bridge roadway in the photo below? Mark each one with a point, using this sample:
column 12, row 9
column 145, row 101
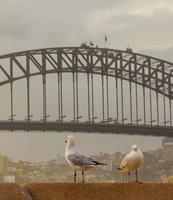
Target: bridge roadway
column 114, row 128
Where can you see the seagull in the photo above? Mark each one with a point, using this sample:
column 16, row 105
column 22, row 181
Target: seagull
column 132, row 161
column 77, row 160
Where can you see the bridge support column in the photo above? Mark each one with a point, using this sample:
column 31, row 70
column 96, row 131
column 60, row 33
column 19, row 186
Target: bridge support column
column 44, row 98
column 137, row 117
column 164, row 107
column 151, row 113
column 107, row 96
column 157, row 107
column 107, row 84
column 77, row 98
column 44, row 86
column 11, row 100
column 164, row 101
column 122, row 92
column 122, row 102
column 74, row 98
column 170, row 108
column 136, row 90
column 130, row 94
column 28, row 100
column 143, row 87
column 28, row 88
column 75, row 87
column 131, row 112
column 11, row 89
column 103, row 96
column 88, row 85
column 92, row 96
column 116, row 88
column 61, row 97
column 60, row 103
column 170, row 101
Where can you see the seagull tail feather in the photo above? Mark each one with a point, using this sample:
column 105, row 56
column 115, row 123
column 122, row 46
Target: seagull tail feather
column 98, row 163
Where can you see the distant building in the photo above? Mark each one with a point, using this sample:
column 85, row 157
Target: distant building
column 167, row 141
column 3, row 164
column 15, row 170
column 167, row 144
column 9, row 179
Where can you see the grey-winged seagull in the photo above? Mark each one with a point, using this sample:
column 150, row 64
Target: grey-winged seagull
column 132, row 161
column 77, row 160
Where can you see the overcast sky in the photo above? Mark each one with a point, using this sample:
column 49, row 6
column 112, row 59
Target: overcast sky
column 145, row 25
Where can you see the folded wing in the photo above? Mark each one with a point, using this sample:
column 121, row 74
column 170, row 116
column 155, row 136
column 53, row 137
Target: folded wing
column 80, row 159
column 124, row 161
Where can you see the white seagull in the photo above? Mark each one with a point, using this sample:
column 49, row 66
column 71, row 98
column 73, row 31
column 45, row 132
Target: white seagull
column 77, row 160
column 132, row 161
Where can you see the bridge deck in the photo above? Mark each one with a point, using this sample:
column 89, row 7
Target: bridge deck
column 88, row 127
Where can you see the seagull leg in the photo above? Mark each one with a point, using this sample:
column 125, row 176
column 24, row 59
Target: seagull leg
column 74, row 176
column 136, row 176
column 129, row 176
column 83, row 180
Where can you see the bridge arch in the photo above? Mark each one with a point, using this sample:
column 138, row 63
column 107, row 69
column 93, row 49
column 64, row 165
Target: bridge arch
column 149, row 72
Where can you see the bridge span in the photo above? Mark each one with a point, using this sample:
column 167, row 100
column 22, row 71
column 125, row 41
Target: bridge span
column 109, row 90
column 131, row 129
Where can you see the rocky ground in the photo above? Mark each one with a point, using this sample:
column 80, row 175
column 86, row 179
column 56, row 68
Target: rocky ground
column 11, row 192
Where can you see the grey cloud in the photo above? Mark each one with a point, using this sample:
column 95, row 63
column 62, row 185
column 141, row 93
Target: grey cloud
column 36, row 24
column 166, row 54
column 13, row 19
column 138, row 31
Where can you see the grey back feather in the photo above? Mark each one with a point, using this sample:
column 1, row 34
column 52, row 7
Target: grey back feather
column 80, row 159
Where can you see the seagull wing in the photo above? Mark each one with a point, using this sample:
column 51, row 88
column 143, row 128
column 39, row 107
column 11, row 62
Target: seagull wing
column 124, row 161
column 80, row 159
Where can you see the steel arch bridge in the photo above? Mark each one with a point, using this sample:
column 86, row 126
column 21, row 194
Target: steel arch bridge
column 149, row 80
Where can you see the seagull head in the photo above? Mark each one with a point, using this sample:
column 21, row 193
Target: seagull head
column 70, row 140
column 134, row 147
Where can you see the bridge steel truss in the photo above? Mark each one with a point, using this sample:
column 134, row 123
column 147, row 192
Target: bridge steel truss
column 148, row 72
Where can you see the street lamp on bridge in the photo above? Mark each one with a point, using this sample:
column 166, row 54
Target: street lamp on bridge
column 44, row 119
column 110, row 119
column 107, row 120
column 166, row 122
column 151, row 122
column 93, row 118
column 12, row 117
column 115, row 121
column 28, row 118
column 137, row 120
column 124, row 119
column 62, row 117
column 76, row 119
